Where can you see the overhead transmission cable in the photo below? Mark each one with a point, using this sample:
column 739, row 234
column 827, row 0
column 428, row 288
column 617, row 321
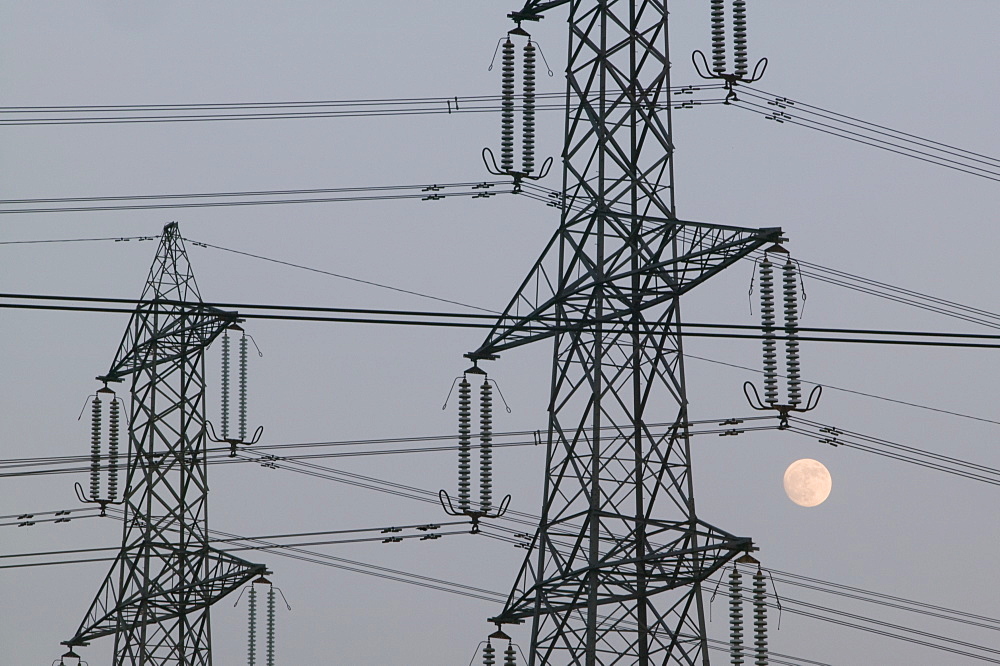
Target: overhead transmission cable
column 45, row 465
column 882, row 599
column 40, row 241
column 337, row 275
column 785, row 110
column 833, row 436
column 424, row 192
column 778, row 108
column 425, row 531
column 468, row 320
column 829, row 387
column 923, row 638
column 306, row 109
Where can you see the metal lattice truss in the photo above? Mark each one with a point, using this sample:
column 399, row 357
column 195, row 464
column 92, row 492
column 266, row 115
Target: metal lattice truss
column 673, row 257
column 615, row 568
column 156, row 597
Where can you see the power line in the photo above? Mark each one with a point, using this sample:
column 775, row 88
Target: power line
column 895, row 451
column 424, row 529
column 425, row 192
column 301, row 110
column 338, row 275
column 453, row 319
column 48, row 465
column 879, row 627
column 852, row 391
column 786, row 110
column 885, row 599
column 116, row 239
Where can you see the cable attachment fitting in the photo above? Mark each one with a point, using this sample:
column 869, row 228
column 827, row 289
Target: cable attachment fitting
column 69, row 659
column 791, row 281
column 466, row 507
column 718, row 70
column 223, row 436
column 507, row 112
column 103, row 399
column 489, row 652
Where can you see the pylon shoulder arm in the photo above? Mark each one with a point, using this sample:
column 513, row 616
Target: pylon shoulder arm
column 532, row 10
column 548, row 303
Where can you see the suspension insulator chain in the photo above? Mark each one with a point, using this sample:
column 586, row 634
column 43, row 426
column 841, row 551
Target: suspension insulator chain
column 224, row 416
column 486, row 450
column 528, row 115
column 270, row 627
column 113, row 451
column 767, row 323
column 243, row 389
column 464, row 444
column 740, row 37
column 791, row 330
column 252, row 633
column 759, row 619
column 718, row 36
column 735, row 618
column 95, row 448
column 489, row 655
column 507, row 108
column 510, row 656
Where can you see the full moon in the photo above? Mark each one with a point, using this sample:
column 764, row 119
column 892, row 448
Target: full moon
column 807, row 482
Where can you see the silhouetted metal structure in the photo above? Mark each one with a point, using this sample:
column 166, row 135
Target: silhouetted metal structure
column 615, row 570
column 157, row 596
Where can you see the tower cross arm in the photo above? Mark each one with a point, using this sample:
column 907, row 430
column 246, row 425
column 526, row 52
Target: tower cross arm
column 532, row 10
column 669, row 258
column 119, row 609
column 666, row 569
column 181, row 328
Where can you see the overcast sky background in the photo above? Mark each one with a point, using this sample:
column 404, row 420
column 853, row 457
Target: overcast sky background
column 926, row 66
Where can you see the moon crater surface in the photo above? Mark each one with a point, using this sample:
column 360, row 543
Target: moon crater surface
column 807, row 482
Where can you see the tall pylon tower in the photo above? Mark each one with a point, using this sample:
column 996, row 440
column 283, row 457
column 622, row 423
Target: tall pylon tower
column 615, row 570
column 156, row 598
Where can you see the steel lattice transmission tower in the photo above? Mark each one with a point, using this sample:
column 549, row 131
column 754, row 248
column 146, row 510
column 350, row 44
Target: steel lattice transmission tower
column 615, row 568
column 156, row 598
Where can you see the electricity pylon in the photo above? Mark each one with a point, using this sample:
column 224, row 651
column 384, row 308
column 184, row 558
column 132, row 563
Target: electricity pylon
column 615, row 570
column 156, row 598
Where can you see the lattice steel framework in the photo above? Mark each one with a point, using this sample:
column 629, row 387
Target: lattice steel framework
column 615, row 569
column 156, row 598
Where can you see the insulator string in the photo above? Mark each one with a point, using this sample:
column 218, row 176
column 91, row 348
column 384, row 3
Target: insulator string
column 767, row 323
column 270, row 627
column 464, row 444
column 718, row 37
column 113, row 451
column 95, row 448
column 740, row 37
column 528, row 109
column 243, row 389
column 507, row 108
column 510, row 656
column 735, row 618
column 489, row 654
column 224, row 416
column 791, row 299
column 486, row 448
column 760, row 618
column 252, row 631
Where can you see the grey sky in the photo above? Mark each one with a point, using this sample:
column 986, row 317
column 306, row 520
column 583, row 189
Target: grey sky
column 925, row 66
